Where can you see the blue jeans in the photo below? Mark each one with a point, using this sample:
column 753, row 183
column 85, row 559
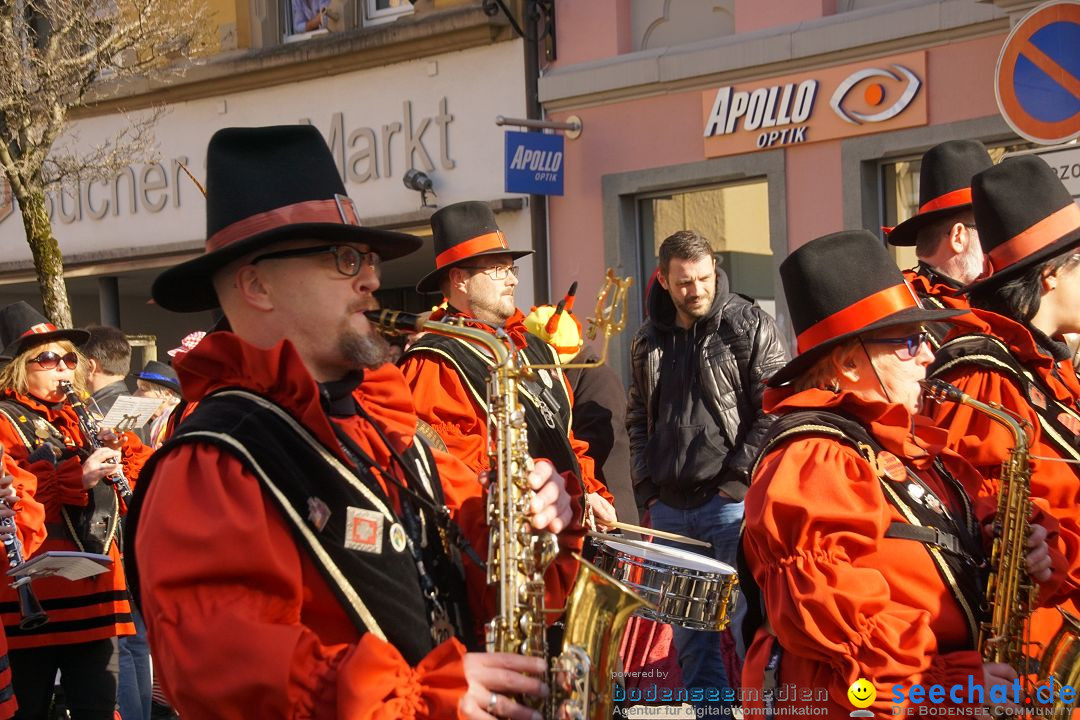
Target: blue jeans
column 134, row 691
column 718, row 522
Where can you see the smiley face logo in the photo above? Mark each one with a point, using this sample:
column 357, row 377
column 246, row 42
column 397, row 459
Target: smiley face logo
column 861, row 693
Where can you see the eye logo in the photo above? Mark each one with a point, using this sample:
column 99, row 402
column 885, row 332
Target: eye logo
column 874, row 94
column 861, row 694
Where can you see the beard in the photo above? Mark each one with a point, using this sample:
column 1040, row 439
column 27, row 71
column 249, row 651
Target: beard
column 364, row 351
column 493, row 309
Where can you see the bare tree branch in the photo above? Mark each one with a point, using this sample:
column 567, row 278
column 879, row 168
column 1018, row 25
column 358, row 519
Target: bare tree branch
column 55, row 55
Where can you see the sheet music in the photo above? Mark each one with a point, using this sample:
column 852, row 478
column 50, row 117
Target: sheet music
column 130, row 412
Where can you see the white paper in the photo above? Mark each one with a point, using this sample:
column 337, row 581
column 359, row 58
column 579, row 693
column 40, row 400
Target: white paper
column 130, row 412
column 67, row 564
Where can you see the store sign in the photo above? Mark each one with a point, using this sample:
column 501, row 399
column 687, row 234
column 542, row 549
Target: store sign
column 534, row 163
column 855, row 99
column 1065, row 162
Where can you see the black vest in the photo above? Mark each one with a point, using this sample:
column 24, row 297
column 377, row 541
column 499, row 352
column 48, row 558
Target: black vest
column 952, row 540
column 328, row 508
column 544, row 398
column 989, row 353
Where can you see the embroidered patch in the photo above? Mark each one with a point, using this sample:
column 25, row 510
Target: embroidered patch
column 1070, row 422
column 1037, row 398
column 891, row 466
column 397, row 537
column 318, row 513
column 363, row 530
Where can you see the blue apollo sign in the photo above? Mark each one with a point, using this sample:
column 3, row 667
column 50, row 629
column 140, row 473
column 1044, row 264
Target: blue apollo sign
column 534, row 163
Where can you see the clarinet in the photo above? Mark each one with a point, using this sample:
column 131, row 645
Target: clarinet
column 90, row 430
column 31, row 613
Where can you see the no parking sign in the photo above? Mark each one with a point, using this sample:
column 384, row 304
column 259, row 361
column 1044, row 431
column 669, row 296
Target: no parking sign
column 1037, row 81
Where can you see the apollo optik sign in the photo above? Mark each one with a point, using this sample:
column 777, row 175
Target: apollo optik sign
column 855, row 99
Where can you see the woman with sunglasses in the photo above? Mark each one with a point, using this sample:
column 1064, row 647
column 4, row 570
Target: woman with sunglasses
column 82, row 510
column 1029, row 228
column 863, row 547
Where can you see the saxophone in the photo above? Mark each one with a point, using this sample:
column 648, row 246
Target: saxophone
column 598, row 606
column 1010, row 593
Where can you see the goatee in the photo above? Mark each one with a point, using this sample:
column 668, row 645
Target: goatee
column 365, row 351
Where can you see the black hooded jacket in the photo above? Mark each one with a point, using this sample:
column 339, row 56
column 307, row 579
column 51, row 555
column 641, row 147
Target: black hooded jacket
column 737, row 347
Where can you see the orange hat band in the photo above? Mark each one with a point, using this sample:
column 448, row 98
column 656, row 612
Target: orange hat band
column 482, row 243
column 956, row 198
column 857, row 316
column 338, row 211
column 1048, row 230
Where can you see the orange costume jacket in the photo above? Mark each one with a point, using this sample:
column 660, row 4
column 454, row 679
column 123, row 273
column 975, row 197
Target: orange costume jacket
column 938, row 291
column 241, row 622
column 845, row 597
column 30, row 532
column 1054, row 485
column 79, row 611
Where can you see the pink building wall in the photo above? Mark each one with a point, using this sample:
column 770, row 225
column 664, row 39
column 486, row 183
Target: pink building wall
column 666, row 130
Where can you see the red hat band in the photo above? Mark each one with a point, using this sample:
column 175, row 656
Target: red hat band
column 956, row 198
column 39, row 329
column 1048, row 230
column 338, row 211
column 482, row 243
column 858, row 315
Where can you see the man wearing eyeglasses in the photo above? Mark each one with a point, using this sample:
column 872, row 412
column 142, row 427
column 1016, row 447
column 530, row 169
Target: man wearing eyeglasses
column 293, row 546
column 943, row 229
column 475, row 271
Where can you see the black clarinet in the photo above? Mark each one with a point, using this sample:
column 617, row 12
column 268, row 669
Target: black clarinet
column 90, row 429
column 32, row 615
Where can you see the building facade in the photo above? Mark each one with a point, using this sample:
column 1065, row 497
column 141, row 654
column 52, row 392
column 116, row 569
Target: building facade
column 392, row 88
column 761, row 123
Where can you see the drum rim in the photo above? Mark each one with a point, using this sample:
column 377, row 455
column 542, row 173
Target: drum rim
column 718, row 567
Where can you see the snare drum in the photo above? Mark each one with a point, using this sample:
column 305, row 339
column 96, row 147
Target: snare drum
column 689, row 590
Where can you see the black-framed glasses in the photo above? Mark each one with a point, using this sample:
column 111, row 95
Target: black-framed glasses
column 907, row 347
column 495, row 272
column 349, row 260
column 49, row 360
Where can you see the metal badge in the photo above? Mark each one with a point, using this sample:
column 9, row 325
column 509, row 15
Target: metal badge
column 318, row 513
column 363, row 530
column 916, row 492
column 398, row 539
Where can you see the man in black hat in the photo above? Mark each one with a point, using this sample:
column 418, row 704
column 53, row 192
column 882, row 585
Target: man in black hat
column 475, row 271
column 698, row 368
column 293, row 549
column 1029, row 228
column 943, row 230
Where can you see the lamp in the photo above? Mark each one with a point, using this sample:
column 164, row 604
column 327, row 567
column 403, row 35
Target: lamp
column 418, row 180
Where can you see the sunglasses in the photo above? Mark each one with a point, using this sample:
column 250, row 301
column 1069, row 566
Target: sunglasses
column 49, row 360
column 907, row 347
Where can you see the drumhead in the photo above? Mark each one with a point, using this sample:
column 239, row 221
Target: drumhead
column 670, row 555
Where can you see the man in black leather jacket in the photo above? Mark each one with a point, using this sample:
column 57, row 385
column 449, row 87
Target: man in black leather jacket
column 699, row 365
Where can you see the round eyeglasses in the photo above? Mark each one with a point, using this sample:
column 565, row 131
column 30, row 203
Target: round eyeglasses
column 495, row 272
column 348, row 260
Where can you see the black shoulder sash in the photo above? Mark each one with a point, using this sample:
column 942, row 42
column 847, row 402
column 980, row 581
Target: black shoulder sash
column 990, row 353
column 339, row 516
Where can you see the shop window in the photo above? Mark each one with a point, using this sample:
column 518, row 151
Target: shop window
column 734, row 218
column 900, row 194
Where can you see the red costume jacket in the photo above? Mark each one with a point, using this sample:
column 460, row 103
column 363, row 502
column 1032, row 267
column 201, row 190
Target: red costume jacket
column 81, row 610
column 240, row 621
column 1054, row 485
column 843, row 600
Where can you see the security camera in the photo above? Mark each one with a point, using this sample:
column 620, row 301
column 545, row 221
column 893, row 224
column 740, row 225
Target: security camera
column 416, row 180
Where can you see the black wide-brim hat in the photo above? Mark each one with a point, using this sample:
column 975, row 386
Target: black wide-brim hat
column 161, row 374
column 461, row 232
column 265, row 185
column 944, row 185
column 22, row 327
column 1025, row 216
column 840, row 286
